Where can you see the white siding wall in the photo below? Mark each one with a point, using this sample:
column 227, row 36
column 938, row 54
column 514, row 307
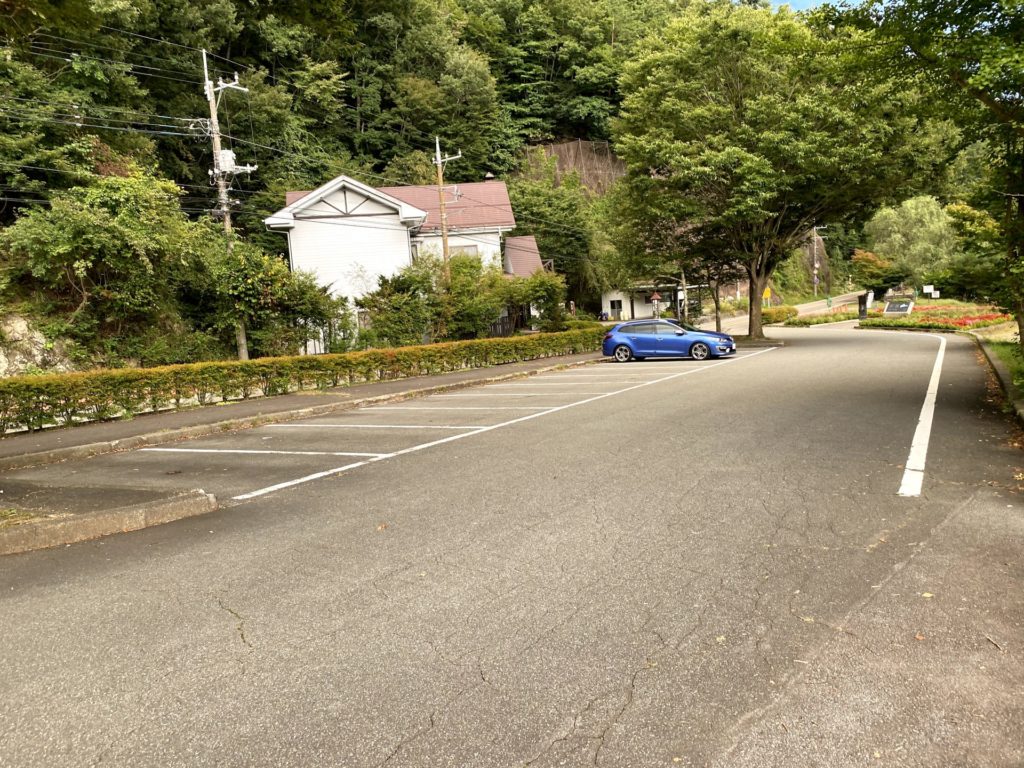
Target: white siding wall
column 349, row 253
column 640, row 304
column 488, row 245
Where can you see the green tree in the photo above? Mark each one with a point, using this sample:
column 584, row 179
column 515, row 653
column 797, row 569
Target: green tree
column 970, row 56
column 756, row 128
column 976, row 270
column 917, row 236
column 559, row 215
column 108, row 254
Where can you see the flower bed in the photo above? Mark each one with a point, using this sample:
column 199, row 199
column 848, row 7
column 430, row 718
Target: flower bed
column 947, row 316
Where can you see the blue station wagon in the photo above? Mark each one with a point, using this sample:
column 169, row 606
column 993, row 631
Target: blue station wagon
column 638, row 339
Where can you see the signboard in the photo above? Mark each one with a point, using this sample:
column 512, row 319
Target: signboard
column 928, row 289
column 898, row 306
column 767, row 295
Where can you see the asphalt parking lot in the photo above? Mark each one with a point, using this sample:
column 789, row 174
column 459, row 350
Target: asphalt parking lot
column 250, row 463
column 657, row 563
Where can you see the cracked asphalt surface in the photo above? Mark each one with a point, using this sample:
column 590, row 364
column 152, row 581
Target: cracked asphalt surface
column 711, row 569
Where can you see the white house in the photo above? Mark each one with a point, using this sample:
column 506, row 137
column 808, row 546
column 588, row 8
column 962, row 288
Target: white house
column 349, row 234
column 638, row 302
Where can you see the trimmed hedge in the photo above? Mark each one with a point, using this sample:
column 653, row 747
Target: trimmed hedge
column 834, row 317
column 35, row 402
column 778, row 314
column 965, row 323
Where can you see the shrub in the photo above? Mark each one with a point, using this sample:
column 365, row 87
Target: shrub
column 778, row 314
column 35, row 402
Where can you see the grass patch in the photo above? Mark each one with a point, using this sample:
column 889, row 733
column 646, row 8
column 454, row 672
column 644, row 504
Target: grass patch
column 1009, row 353
column 10, row 517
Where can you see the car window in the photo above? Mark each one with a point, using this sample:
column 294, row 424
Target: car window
column 668, row 329
column 641, row 328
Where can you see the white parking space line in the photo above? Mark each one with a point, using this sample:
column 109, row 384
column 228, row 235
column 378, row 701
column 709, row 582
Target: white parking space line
column 282, row 453
column 306, row 479
column 480, row 430
column 913, row 474
column 371, row 426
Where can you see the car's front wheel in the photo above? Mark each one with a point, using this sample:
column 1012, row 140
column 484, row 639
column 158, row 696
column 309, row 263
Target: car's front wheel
column 700, row 351
column 623, row 353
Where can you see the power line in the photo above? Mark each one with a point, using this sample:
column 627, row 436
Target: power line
column 45, row 47
column 85, row 44
column 92, row 175
column 82, row 124
column 275, row 79
column 78, row 116
column 101, row 107
column 146, row 74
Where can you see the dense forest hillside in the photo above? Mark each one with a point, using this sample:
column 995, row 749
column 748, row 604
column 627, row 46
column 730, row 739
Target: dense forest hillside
column 738, row 128
column 357, row 85
column 105, row 153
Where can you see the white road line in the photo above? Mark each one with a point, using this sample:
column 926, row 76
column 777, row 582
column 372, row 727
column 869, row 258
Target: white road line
column 480, row 430
column 370, row 426
column 511, row 394
column 461, row 408
column 282, row 453
column 530, row 384
column 913, row 474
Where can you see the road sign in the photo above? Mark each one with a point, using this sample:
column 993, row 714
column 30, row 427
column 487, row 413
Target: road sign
column 898, row 307
column 767, row 295
column 655, row 296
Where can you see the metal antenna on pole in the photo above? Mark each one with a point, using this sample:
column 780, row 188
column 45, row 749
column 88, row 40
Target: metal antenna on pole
column 224, row 170
column 440, row 161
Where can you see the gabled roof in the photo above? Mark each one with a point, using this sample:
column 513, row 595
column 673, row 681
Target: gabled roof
column 297, row 202
column 522, row 257
column 474, row 205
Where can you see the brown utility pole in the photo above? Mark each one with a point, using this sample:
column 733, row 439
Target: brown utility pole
column 224, row 170
column 440, row 163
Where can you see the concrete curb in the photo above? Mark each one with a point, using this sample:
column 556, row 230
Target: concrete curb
column 1004, row 376
column 54, row 532
column 229, row 425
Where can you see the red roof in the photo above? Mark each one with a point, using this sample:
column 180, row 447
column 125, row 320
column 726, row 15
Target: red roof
column 522, row 255
column 476, row 205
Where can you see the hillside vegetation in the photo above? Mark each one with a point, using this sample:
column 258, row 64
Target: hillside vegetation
column 739, row 128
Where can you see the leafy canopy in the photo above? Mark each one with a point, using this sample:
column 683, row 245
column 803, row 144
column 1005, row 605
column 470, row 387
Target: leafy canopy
column 752, row 127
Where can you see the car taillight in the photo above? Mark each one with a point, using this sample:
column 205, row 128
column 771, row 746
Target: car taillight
column 607, row 335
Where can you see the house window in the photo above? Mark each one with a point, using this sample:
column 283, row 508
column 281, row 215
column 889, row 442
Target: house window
column 415, row 251
column 463, row 250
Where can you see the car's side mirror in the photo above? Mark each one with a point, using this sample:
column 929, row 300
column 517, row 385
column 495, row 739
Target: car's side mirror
column 680, row 332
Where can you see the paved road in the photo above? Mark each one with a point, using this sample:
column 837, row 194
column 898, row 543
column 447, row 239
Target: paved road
column 739, row 326
column 659, row 563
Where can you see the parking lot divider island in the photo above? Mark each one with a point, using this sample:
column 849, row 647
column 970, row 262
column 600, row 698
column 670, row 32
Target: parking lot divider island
column 36, row 402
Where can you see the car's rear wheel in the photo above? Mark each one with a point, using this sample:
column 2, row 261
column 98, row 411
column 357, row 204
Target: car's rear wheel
column 623, row 353
column 700, row 351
